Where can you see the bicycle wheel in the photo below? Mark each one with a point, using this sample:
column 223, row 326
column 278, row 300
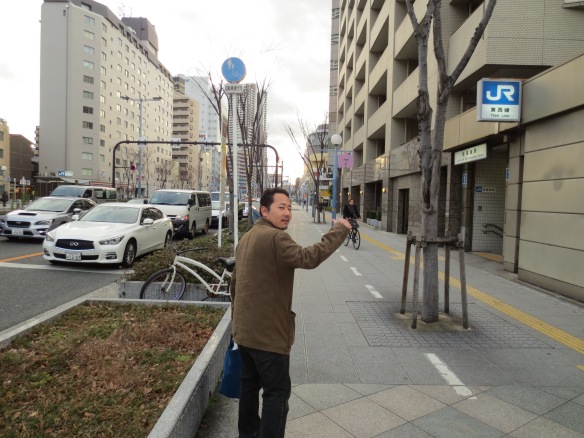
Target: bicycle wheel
column 159, row 286
column 348, row 238
column 356, row 239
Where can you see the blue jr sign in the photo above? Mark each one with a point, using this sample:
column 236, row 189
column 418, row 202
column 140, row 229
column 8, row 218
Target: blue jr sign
column 499, row 100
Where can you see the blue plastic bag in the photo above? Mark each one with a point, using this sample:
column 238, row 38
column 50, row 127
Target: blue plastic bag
column 229, row 386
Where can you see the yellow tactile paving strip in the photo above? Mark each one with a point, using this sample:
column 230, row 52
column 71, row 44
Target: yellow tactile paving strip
column 537, row 324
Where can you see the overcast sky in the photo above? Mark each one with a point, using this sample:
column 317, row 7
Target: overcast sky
column 285, row 42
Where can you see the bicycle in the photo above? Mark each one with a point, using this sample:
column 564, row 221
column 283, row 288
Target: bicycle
column 170, row 284
column 354, row 234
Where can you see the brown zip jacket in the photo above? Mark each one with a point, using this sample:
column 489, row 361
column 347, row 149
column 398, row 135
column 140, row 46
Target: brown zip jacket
column 262, row 283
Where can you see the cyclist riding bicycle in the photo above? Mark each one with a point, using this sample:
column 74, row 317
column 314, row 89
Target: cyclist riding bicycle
column 351, row 213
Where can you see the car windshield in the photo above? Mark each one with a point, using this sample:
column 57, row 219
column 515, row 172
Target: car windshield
column 170, row 198
column 68, row 191
column 45, row 204
column 113, row 214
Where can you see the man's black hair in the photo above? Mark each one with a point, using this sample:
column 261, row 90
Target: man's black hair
column 267, row 198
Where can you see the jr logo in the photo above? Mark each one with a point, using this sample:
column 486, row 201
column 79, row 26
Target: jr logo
column 501, row 92
column 507, row 90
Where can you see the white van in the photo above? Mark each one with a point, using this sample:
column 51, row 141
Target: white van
column 95, row 193
column 189, row 209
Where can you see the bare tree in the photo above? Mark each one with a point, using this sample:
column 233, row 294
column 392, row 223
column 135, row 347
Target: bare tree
column 431, row 146
column 316, row 143
column 252, row 134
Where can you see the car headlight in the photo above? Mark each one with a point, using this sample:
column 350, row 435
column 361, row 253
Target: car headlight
column 2, row 220
column 50, row 237
column 44, row 222
column 112, row 241
column 182, row 217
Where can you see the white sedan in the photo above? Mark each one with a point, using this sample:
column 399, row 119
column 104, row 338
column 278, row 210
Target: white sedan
column 114, row 233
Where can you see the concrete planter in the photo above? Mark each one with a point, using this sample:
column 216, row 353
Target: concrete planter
column 183, row 415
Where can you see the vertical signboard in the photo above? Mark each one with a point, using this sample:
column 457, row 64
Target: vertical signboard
column 499, row 100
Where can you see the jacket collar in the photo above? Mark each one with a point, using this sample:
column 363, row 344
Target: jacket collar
column 265, row 222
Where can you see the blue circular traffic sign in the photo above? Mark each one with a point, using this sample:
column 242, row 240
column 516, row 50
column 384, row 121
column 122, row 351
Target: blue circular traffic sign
column 233, row 70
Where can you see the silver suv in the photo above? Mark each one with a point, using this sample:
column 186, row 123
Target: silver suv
column 41, row 216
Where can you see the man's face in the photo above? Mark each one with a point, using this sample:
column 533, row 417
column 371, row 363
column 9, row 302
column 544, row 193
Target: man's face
column 280, row 212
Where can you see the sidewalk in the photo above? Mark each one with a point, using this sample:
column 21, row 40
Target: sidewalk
column 359, row 370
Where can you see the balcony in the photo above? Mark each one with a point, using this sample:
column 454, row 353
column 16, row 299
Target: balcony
column 379, row 119
column 405, row 96
column 405, row 42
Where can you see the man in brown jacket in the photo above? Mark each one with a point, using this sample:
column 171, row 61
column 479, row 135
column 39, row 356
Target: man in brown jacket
column 263, row 321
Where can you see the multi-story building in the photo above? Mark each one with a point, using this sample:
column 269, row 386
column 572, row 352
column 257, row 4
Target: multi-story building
column 4, row 156
column 186, row 128
column 481, row 200
column 200, row 89
column 101, row 83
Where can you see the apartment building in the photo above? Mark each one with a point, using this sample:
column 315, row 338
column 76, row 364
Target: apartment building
column 101, row 83
column 200, row 89
column 480, row 200
column 4, row 156
column 186, row 128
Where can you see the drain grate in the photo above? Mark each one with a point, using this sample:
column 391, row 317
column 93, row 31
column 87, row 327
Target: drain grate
column 383, row 326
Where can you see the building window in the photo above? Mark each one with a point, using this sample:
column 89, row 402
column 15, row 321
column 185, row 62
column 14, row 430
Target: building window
column 87, row 79
column 87, row 140
column 120, row 42
column 89, row 35
column 102, row 143
column 103, row 56
column 89, row 49
column 87, row 156
column 333, row 90
column 88, row 125
column 103, row 42
column 102, row 114
column 103, row 71
column 89, row 20
column 335, row 38
column 119, row 107
column 88, row 110
column 118, row 121
column 120, row 56
column 334, row 64
column 87, row 95
column 103, row 85
column 336, row 13
column 102, row 99
column 2, row 150
column 102, row 128
column 88, row 65
column 102, row 158
column 86, row 172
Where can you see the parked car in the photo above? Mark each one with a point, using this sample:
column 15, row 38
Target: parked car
column 215, row 205
column 41, row 216
column 98, row 194
column 114, row 233
column 216, row 196
column 189, row 210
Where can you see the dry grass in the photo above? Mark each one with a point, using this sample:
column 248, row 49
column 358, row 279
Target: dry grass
column 101, row 370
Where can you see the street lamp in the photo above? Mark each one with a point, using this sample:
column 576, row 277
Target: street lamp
column 336, row 140
column 140, row 100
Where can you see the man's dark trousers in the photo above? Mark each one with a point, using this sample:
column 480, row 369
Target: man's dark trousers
column 270, row 372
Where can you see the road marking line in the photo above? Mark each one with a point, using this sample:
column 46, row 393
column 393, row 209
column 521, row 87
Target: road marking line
column 357, row 273
column 450, row 378
column 373, row 291
column 59, row 268
column 26, row 256
column 535, row 323
column 345, row 259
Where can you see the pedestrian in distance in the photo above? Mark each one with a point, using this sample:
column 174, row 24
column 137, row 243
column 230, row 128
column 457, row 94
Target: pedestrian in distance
column 4, row 198
column 351, row 211
column 263, row 320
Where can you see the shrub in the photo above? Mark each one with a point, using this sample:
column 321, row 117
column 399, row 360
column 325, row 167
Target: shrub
column 204, row 250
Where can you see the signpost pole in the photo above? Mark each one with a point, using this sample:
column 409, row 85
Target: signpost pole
column 233, row 70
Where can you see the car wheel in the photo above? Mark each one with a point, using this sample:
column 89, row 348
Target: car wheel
column 206, row 229
column 193, row 230
column 168, row 239
column 129, row 254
